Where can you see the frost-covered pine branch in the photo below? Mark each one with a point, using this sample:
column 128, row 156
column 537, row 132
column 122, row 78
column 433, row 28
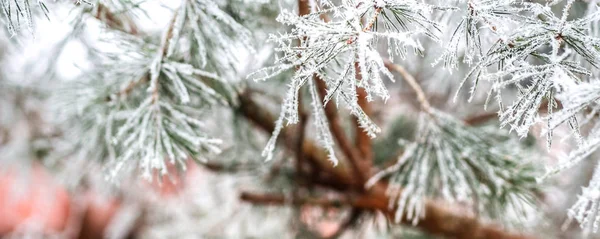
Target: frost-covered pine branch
column 541, row 59
column 145, row 102
column 340, row 50
column 147, row 110
column 458, row 163
column 535, row 58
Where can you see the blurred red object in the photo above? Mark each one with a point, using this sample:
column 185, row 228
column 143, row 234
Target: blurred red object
column 100, row 211
column 32, row 198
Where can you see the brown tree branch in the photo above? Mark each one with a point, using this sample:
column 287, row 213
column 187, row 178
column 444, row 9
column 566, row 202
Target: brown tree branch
column 362, row 139
column 438, row 219
column 303, row 9
column 340, row 137
column 280, row 199
column 481, row 118
column 255, row 113
column 411, row 82
column 361, row 170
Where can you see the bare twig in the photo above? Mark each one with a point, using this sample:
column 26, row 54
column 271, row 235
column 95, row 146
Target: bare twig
column 412, row 83
column 115, row 21
column 280, row 199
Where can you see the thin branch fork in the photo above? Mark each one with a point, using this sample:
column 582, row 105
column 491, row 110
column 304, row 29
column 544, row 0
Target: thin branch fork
column 422, row 98
column 412, row 83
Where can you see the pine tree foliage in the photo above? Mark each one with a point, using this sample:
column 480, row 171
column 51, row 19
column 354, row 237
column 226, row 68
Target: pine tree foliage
column 541, row 38
column 542, row 60
column 211, row 34
column 148, row 111
column 550, row 40
column 334, row 50
column 489, row 175
column 146, row 100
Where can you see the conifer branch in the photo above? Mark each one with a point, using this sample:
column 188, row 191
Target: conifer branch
column 524, row 51
column 438, row 219
column 334, row 121
column 373, row 19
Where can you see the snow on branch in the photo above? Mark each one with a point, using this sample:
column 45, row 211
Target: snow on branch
column 480, row 167
column 145, row 101
column 338, row 50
